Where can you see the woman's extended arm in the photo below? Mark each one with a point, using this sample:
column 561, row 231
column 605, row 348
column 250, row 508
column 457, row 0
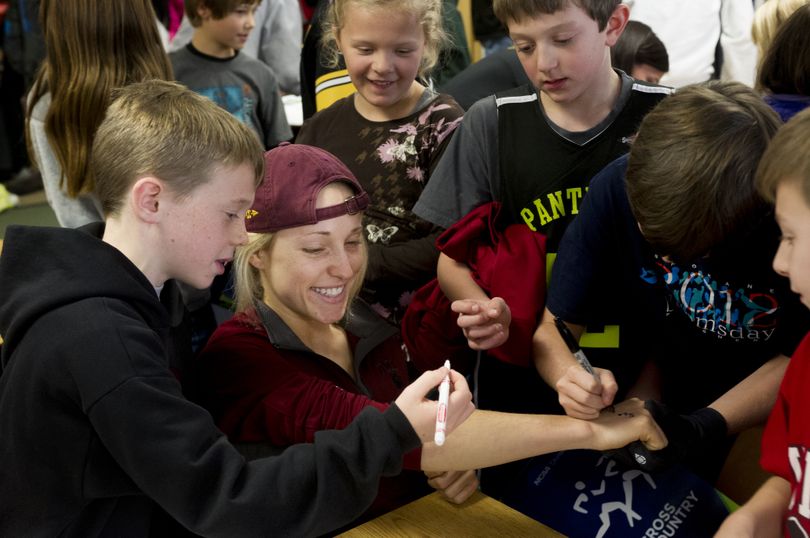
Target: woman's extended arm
column 490, row 438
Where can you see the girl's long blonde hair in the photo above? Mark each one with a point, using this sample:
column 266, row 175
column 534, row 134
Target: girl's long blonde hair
column 92, row 47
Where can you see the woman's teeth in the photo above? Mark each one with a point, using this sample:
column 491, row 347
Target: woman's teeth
column 329, row 292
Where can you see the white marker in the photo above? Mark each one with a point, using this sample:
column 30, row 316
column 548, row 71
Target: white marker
column 441, row 410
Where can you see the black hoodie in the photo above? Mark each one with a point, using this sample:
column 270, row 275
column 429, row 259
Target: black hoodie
column 95, row 432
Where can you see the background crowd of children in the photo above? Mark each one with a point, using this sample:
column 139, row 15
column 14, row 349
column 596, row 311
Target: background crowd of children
column 620, row 167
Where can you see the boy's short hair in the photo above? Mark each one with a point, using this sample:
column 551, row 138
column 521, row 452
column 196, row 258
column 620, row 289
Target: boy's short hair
column 163, row 129
column 787, row 158
column 690, row 176
column 219, row 8
column 517, row 10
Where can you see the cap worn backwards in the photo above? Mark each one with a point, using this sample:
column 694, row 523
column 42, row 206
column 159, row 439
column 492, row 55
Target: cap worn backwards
column 294, row 175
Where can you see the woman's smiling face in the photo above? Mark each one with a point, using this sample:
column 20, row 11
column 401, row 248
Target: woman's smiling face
column 309, row 273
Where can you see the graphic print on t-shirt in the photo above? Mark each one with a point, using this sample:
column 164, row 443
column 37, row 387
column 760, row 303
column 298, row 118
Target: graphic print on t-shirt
column 798, row 518
column 726, row 310
column 238, row 100
column 551, row 206
column 544, row 170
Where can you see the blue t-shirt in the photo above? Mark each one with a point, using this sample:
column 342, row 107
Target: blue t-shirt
column 708, row 323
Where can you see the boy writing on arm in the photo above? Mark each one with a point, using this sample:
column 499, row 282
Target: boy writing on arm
column 674, row 243
column 782, row 504
column 98, row 438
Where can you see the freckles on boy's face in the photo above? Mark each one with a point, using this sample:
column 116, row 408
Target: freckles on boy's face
column 793, row 256
column 203, row 229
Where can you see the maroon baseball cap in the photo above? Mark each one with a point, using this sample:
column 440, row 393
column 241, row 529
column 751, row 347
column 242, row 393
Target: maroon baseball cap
column 294, row 175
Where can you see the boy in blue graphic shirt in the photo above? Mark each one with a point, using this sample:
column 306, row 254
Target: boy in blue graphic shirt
column 674, row 243
column 211, row 65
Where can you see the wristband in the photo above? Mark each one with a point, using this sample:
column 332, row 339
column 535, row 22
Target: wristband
column 687, row 435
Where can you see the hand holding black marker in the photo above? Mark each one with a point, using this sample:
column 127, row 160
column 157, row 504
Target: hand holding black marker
column 573, row 346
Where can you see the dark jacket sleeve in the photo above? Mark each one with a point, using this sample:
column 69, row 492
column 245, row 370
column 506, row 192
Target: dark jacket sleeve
column 172, row 451
column 413, row 260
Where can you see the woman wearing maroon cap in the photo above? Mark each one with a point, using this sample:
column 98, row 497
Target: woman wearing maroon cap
column 304, row 354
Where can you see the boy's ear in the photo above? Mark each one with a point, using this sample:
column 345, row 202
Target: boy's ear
column 146, row 196
column 616, row 23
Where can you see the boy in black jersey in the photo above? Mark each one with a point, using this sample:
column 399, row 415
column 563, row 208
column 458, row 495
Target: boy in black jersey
column 535, row 149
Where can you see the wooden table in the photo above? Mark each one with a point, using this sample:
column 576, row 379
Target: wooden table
column 433, row 516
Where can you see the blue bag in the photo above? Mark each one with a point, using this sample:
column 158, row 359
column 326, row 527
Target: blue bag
column 584, row 493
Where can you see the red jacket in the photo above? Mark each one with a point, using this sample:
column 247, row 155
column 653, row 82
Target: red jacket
column 507, row 262
column 263, row 385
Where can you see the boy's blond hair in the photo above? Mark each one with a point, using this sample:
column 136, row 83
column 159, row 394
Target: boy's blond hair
column 163, row 129
column 219, row 8
column 427, row 12
column 787, row 158
column 690, row 175
column 518, row 10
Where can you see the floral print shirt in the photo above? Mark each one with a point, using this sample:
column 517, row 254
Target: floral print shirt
column 393, row 161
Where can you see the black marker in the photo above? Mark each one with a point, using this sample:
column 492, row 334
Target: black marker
column 572, row 344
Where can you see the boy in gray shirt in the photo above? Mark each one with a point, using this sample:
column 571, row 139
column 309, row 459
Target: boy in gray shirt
column 211, row 65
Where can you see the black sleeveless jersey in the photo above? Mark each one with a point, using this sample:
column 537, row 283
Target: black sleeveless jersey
column 544, row 175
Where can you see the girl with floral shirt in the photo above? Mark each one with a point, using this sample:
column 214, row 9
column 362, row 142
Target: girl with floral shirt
column 390, row 133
